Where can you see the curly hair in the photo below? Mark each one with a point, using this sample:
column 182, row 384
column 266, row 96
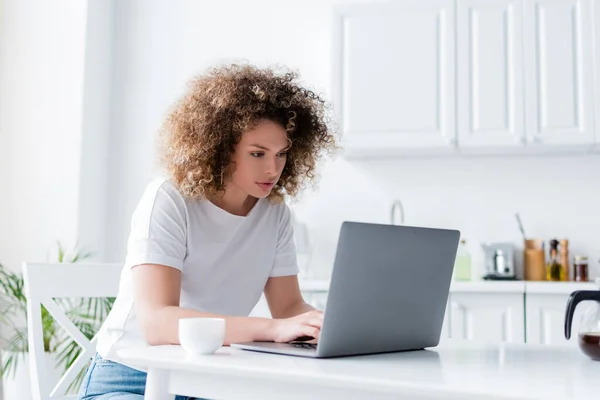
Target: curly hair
column 201, row 131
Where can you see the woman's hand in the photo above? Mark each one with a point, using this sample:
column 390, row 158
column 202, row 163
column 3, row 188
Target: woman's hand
column 288, row 329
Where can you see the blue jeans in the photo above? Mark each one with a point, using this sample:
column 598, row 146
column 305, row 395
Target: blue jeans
column 105, row 379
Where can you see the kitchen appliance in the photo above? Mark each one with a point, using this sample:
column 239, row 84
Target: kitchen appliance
column 499, row 261
column 589, row 327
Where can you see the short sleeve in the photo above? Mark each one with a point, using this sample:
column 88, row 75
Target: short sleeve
column 285, row 257
column 158, row 227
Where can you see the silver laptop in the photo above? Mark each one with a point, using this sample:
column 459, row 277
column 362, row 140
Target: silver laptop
column 388, row 292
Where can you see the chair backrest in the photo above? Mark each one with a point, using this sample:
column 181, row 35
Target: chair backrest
column 44, row 282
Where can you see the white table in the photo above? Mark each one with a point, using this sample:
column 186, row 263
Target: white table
column 453, row 370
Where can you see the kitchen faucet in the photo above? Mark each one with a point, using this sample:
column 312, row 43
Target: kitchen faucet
column 397, row 207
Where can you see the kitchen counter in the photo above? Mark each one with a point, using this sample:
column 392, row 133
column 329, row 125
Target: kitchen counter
column 558, row 287
column 485, row 286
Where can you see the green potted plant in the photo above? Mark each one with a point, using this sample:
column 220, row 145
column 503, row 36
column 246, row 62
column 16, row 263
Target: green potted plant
column 86, row 313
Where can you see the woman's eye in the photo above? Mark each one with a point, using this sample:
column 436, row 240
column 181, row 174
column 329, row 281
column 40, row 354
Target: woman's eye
column 257, row 154
column 283, row 154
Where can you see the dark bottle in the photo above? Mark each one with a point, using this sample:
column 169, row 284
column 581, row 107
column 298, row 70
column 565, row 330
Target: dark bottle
column 554, row 269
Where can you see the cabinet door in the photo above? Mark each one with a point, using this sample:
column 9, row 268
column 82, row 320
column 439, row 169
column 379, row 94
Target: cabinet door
column 558, row 72
column 261, row 309
column 394, row 74
column 446, row 325
column 546, row 319
column 490, row 73
column 491, row 317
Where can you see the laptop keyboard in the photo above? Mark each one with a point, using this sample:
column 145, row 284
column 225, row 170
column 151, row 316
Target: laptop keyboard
column 304, row 345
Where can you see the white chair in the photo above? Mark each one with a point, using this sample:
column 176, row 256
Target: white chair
column 42, row 283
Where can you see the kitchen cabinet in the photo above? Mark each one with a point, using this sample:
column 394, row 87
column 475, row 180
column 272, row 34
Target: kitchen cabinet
column 446, row 325
column 546, row 318
column 545, row 312
column 414, row 77
column 490, row 73
column 496, row 317
column 394, row 74
column 558, row 60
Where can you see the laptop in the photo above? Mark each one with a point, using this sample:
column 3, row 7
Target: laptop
column 388, row 292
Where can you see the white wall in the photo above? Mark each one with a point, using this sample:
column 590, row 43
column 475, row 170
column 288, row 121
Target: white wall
column 96, row 128
column 555, row 196
column 41, row 64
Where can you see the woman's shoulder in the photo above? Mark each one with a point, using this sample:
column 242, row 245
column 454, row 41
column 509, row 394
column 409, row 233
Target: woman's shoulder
column 160, row 186
column 162, row 191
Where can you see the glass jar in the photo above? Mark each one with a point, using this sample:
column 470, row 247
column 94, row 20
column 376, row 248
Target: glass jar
column 580, row 269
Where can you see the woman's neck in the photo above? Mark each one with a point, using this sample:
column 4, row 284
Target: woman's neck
column 234, row 202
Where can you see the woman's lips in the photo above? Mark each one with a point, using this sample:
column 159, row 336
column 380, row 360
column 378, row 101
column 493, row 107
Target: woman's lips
column 265, row 185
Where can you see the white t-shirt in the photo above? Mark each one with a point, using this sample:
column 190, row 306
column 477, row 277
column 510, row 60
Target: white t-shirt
column 225, row 259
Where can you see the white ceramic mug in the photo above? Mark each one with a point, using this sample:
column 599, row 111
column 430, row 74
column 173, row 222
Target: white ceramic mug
column 201, row 336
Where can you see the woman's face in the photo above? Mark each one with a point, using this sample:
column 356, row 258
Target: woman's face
column 259, row 159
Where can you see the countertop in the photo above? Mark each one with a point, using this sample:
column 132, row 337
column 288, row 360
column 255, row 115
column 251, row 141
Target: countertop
column 486, row 286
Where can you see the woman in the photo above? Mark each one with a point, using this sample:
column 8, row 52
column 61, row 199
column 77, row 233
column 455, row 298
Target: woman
column 211, row 236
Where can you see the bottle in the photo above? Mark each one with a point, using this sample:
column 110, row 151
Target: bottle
column 580, row 269
column 564, row 259
column 554, row 269
column 462, row 264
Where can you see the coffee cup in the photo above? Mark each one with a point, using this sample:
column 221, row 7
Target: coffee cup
column 201, row 336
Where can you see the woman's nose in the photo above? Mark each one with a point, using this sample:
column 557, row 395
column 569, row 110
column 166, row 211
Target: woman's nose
column 271, row 167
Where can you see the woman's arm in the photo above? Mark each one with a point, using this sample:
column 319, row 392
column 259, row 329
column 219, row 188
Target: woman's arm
column 156, row 300
column 284, row 297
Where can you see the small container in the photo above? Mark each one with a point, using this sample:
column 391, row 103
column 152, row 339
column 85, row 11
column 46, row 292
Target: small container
column 580, row 269
column 534, row 260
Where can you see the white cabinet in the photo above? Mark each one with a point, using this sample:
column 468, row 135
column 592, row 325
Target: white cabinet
column 546, row 319
column 394, row 74
column 558, row 61
column 496, row 317
column 546, row 304
column 446, row 325
column 441, row 75
column 317, row 299
column 490, row 73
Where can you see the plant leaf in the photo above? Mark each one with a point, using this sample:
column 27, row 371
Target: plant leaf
column 16, row 350
column 61, row 252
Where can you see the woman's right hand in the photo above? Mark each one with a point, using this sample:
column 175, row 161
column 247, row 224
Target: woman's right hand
column 307, row 324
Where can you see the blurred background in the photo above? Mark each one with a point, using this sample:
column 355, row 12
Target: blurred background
column 85, row 85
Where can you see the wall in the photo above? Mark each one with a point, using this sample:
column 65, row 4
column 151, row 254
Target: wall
column 42, row 84
column 54, row 125
column 96, row 128
column 555, row 196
